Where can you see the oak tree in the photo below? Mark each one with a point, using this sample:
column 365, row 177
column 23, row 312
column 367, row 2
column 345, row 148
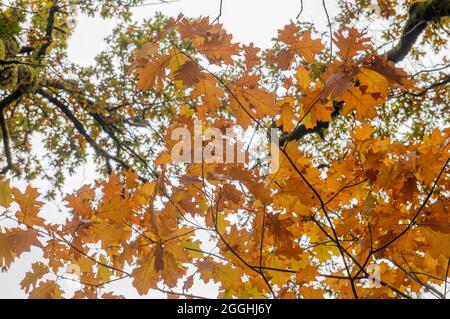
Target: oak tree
column 357, row 208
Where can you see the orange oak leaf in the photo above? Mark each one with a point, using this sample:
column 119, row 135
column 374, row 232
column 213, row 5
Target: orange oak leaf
column 47, row 290
column 283, row 59
column 364, row 104
column 81, row 201
column 115, row 205
column 38, row 270
column 251, row 55
column 209, row 92
column 159, row 263
column 29, row 206
column 289, row 34
column 218, row 48
column 315, row 109
column 190, row 73
column 307, row 47
column 351, row 44
column 14, row 242
column 152, row 73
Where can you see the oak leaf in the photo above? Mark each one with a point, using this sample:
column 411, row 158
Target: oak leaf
column 29, row 206
column 190, row 73
column 38, row 270
column 47, row 290
column 5, row 194
column 351, row 44
column 14, row 242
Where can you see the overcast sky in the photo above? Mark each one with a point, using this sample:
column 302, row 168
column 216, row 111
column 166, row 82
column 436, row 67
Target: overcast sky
column 254, row 21
column 249, row 21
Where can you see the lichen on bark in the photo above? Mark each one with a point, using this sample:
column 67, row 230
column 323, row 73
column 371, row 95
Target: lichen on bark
column 14, row 74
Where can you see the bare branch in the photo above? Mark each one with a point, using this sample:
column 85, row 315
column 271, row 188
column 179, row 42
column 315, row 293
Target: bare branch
column 434, row 85
column 329, row 27
column 220, row 13
column 6, row 145
column 301, row 10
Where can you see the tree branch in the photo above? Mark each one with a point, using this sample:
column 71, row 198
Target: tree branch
column 14, row 96
column 220, row 13
column 420, row 14
column 80, row 128
column 6, row 145
column 432, row 86
column 100, row 119
column 301, row 131
column 416, row 215
column 49, row 30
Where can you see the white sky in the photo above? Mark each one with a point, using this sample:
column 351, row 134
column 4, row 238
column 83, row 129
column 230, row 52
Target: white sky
column 248, row 20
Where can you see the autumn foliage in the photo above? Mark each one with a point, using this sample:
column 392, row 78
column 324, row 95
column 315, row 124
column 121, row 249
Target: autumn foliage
column 353, row 196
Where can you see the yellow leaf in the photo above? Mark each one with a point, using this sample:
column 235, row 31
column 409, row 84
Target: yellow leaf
column 144, row 276
column 364, row 104
column 373, row 81
column 163, row 159
column 104, row 273
column 5, row 193
column 287, row 115
column 145, row 193
column 303, row 77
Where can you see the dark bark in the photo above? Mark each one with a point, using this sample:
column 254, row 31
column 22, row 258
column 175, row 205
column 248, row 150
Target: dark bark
column 421, row 13
column 301, row 131
column 6, row 143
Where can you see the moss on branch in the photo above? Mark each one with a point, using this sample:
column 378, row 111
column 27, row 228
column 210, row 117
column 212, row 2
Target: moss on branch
column 420, row 14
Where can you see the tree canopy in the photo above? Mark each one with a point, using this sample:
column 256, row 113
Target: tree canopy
column 357, row 207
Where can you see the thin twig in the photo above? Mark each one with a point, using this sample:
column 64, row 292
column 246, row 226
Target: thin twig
column 416, row 215
column 220, row 13
column 301, row 10
column 330, row 28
